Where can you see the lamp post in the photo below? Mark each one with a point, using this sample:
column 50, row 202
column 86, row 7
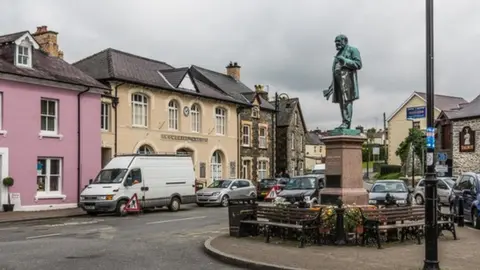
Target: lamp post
column 413, row 154
column 431, row 243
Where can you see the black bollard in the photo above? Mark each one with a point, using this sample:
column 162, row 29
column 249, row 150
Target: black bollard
column 340, row 235
column 461, row 220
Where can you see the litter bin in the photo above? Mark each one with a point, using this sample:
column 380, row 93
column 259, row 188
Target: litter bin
column 238, row 210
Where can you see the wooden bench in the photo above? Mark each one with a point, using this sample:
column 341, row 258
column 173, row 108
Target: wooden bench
column 286, row 219
column 410, row 220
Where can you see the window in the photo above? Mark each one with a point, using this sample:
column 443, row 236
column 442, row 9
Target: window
column 49, row 116
column 220, row 121
column 255, row 112
column 300, row 143
column 49, row 175
column 314, row 149
column 173, row 115
column 246, row 167
column 145, row 149
column 262, row 169
column 416, row 124
column 262, row 137
column 134, row 176
column 442, row 185
column 105, row 117
column 293, row 141
column 139, row 110
column 446, row 136
column 23, row 55
column 421, row 183
column 295, row 119
column 195, row 115
column 243, row 183
column 246, row 135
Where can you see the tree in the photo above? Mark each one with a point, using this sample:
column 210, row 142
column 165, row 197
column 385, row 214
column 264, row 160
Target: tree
column 415, row 137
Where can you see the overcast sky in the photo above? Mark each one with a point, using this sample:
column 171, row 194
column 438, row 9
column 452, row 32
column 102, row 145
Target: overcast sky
column 285, row 44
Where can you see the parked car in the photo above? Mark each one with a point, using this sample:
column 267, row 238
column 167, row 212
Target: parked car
column 266, row 185
column 444, row 190
column 220, row 191
column 319, row 169
column 127, row 175
column 303, row 188
column 396, row 188
column 468, row 187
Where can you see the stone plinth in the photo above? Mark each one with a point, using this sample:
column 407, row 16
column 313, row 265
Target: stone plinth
column 343, row 170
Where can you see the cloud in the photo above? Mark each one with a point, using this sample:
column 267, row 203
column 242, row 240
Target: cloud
column 287, row 44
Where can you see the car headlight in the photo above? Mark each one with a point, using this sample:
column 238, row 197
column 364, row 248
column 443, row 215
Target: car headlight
column 400, row 201
column 82, row 198
column 101, row 197
column 372, row 201
column 215, row 193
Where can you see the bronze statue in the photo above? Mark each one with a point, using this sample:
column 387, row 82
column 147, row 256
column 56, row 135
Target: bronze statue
column 344, row 87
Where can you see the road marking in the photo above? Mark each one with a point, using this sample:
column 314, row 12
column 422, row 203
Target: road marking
column 174, row 220
column 43, row 236
column 69, row 224
column 8, row 229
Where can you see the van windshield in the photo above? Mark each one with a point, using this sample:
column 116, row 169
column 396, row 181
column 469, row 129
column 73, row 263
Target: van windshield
column 110, row 176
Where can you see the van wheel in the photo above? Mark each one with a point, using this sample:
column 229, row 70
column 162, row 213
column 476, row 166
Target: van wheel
column 475, row 219
column 224, row 202
column 174, row 205
column 121, row 208
column 419, row 199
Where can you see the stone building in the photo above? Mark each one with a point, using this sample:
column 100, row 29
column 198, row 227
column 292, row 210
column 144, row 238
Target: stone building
column 315, row 150
column 256, row 140
column 462, row 153
column 290, row 137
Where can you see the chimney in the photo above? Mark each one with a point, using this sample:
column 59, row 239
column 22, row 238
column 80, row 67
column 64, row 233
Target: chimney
column 48, row 41
column 233, row 69
column 260, row 89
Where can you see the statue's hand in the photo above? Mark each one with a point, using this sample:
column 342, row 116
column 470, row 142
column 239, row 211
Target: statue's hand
column 341, row 59
column 327, row 93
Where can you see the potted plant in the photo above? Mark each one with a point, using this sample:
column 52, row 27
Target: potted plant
column 8, row 182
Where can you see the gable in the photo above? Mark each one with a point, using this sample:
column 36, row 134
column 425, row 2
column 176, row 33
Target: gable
column 187, row 83
column 413, row 101
column 27, row 40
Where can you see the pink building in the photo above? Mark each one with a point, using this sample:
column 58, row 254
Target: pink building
column 50, row 138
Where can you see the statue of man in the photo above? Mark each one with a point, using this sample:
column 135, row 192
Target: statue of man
column 344, row 87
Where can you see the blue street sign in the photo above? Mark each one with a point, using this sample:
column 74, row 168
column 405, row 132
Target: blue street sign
column 430, row 138
column 442, row 156
column 416, row 112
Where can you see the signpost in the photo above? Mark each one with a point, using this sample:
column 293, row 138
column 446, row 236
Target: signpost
column 416, row 112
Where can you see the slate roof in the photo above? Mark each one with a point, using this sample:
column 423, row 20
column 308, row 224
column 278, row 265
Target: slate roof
column 286, row 108
column 469, row 110
column 444, row 102
column 313, row 138
column 44, row 67
column 112, row 64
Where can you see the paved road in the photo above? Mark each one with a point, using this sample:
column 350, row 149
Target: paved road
column 159, row 240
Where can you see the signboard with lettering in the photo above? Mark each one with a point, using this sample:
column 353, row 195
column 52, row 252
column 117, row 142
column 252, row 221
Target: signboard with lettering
column 416, row 112
column 183, row 138
column 467, row 140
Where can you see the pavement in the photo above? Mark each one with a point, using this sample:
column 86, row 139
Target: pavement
column 6, row 217
column 156, row 240
column 254, row 253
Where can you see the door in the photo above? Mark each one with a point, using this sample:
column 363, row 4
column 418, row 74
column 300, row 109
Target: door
column 235, row 190
column 465, row 186
column 134, row 184
column 106, row 155
column 443, row 191
column 244, row 188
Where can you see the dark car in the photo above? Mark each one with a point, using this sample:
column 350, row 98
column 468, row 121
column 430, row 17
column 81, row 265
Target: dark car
column 396, row 188
column 468, row 188
column 303, row 188
column 265, row 185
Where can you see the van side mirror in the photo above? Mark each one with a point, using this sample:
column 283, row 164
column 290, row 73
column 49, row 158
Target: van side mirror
column 90, row 181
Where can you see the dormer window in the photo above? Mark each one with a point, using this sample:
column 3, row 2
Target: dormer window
column 24, row 49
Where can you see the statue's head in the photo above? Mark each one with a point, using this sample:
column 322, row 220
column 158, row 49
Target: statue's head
column 340, row 42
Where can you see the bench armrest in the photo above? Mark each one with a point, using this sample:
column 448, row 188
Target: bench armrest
column 445, row 216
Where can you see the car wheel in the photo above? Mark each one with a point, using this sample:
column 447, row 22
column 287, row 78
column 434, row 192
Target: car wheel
column 419, row 199
column 224, row 202
column 174, row 205
column 475, row 219
column 200, row 204
column 121, row 208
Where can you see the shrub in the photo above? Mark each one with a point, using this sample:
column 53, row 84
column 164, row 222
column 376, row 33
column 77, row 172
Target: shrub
column 388, row 169
column 8, row 181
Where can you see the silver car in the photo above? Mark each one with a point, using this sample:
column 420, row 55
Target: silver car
column 219, row 191
column 444, row 190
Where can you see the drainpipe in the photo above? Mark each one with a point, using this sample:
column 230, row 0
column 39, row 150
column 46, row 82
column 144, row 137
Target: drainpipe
column 239, row 142
column 115, row 106
column 79, row 143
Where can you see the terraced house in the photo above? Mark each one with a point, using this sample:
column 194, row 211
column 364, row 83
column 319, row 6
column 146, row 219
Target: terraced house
column 154, row 107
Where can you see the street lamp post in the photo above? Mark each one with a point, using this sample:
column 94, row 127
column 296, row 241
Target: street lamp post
column 413, row 154
column 431, row 244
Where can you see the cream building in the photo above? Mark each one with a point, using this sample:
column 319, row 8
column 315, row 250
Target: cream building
column 400, row 121
column 315, row 150
column 162, row 109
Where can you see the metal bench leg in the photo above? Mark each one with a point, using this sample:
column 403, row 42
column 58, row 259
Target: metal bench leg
column 319, row 237
column 454, row 232
column 267, row 234
column 418, row 235
column 302, row 238
column 377, row 236
column 402, row 235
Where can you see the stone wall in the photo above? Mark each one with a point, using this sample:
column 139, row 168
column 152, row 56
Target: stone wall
column 466, row 161
column 255, row 152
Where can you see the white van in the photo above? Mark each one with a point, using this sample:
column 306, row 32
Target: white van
column 158, row 180
column 319, row 169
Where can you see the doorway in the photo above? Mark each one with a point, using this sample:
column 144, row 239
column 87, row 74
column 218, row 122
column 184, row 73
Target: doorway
column 106, row 155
